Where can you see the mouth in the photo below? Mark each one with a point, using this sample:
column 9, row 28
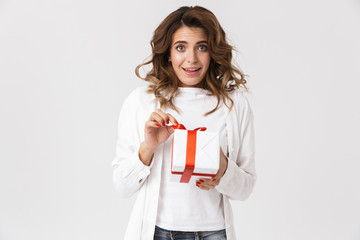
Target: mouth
column 191, row 71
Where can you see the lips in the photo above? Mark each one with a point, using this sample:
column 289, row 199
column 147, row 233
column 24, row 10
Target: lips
column 192, row 71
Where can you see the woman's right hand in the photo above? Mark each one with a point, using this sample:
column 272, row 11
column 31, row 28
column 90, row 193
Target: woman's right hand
column 156, row 132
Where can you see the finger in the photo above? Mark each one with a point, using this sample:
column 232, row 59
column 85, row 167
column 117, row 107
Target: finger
column 202, row 187
column 165, row 118
column 209, row 182
column 216, row 180
column 152, row 124
column 170, row 129
column 172, row 119
column 205, row 185
column 208, row 185
column 155, row 117
column 204, row 180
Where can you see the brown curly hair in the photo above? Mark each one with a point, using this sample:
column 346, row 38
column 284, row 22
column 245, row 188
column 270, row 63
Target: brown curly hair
column 222, row 76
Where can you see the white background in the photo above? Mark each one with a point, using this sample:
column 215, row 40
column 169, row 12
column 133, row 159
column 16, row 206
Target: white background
column 66, row 66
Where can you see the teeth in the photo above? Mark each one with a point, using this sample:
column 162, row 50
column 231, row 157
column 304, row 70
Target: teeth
column 191, row 70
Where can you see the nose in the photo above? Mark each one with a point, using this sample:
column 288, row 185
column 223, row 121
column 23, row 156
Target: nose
column 191, row 56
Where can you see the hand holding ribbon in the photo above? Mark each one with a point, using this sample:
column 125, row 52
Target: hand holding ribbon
column 156, row 132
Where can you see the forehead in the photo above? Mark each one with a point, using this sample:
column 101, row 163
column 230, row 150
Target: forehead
column 189, row 34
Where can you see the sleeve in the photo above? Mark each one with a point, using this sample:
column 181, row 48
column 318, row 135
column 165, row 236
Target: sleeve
column 239, row 178
column 129, row 173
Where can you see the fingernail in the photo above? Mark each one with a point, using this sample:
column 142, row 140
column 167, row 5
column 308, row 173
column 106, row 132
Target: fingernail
column 163, row 124
column 213, row 180
column 201, row 180
column 158, row 125
column 167, row 122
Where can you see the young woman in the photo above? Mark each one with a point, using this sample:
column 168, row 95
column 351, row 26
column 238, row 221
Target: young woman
column 192, row 82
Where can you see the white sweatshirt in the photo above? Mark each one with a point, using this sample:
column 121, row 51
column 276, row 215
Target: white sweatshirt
column 131, row 176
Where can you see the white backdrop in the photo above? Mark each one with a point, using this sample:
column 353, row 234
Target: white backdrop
column 66, row 66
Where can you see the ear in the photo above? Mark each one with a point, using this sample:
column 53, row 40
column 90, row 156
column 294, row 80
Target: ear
column 169, row 59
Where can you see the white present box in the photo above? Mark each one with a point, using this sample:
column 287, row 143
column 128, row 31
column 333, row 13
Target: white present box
column 194, row 154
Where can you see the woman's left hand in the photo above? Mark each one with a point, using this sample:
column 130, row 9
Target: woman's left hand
column 207, row 184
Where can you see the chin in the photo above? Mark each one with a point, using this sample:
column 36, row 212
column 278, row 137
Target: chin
column 190, row 84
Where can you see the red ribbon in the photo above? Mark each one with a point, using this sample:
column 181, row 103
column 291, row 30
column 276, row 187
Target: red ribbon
column 190, row 152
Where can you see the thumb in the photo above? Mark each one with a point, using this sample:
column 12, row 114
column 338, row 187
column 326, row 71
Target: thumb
column 170, row 129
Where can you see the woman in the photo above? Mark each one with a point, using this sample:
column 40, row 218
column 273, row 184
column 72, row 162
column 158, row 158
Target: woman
column 192, row 82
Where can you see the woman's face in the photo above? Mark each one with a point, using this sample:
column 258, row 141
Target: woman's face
column 189, row 55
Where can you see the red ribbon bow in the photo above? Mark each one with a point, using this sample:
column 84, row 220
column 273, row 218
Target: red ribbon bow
column 190, row 152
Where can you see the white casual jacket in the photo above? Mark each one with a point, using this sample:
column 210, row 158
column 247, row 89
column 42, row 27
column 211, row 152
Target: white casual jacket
column 131, row 176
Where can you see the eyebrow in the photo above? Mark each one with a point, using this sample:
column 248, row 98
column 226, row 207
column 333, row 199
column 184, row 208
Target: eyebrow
column 187, row 42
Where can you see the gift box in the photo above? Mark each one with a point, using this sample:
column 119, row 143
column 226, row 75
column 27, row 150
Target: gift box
column 194, row 154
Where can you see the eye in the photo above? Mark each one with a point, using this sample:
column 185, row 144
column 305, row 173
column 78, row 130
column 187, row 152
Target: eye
column 180, row 48
column 202, row 48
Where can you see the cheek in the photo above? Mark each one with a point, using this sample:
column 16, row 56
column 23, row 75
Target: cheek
column 206, row 61
column 177, row 58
